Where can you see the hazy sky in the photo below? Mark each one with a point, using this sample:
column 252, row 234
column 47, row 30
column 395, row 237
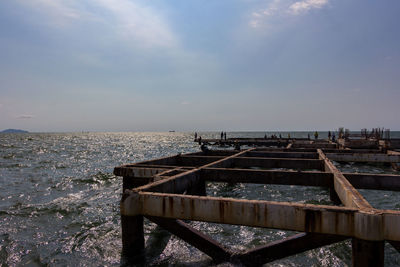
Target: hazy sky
column 186, row 65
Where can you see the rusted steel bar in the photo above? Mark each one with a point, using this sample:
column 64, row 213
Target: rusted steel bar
column 349, row 196
column 388, row 182
column 286, row 247
column 301, row 155
column 363, row 157
column 175, row 184
column 304, row 164
column 194, row 237
column 307, row 178
column 367, row 253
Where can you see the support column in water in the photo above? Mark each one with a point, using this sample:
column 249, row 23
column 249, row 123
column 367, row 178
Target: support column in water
column 367, row 253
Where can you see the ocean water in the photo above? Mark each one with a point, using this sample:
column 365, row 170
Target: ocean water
column 59, row 202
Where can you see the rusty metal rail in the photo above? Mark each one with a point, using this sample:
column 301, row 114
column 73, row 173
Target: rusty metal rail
column 171, row 189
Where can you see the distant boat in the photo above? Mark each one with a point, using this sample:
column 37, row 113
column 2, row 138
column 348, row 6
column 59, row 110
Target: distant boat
column 172, row 131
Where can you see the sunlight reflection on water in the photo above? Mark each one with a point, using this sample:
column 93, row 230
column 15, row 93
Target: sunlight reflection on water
column 60, row 202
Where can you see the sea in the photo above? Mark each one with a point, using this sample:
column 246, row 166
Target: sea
column 59, row 202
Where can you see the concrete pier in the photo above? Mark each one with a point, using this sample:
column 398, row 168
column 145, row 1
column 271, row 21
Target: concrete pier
column 171, row 190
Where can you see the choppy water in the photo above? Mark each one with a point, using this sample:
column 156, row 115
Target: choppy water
column 59, row 202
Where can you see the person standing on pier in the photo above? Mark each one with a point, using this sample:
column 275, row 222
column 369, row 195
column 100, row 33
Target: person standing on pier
column 316, row 135
column 222, row 135
column 329, row 135
column 195, row 136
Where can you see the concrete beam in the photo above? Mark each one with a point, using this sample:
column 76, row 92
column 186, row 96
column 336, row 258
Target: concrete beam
column 303, row 164
column 349, row 196
column 307, row 178
column 183, row 181
column 273, row 149
column 169, row 160
column 372, row 225
column 198, row 160
column 300, row 155
column 388, row 182
column 395, row 166
column 280, row 215
column 351, row 151
column 363, row 157
column 137, row 171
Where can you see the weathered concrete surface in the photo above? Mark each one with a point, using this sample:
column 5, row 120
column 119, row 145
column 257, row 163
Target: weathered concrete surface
column 303, row 164
column 396, row 166
column 275, row 154
column 388, row 182
column 349, row 196
column 183, row 181
column 390, row 158
column 137, row 171
column 307, row 178
column 280, row 215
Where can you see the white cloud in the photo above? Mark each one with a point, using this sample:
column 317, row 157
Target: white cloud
column 304, row 6
column 59, row 11
column 25, row 116
column 143, row 23
column 282, row 8
column 185, row 103
column 132, row 22
column 272, row 9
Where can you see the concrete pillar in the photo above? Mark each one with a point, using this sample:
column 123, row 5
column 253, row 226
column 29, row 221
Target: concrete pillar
column 199, row 189
column 132, row 229
column 334, row 196
column 132, row 238
column 367, row 253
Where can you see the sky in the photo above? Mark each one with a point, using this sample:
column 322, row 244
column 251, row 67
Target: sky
column 232, row 65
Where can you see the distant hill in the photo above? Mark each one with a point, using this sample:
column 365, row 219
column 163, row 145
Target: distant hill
column 14, row 131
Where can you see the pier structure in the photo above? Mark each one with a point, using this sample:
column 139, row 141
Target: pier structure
column 171, row 191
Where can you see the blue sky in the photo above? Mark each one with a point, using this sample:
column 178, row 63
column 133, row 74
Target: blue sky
column 122, row 65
